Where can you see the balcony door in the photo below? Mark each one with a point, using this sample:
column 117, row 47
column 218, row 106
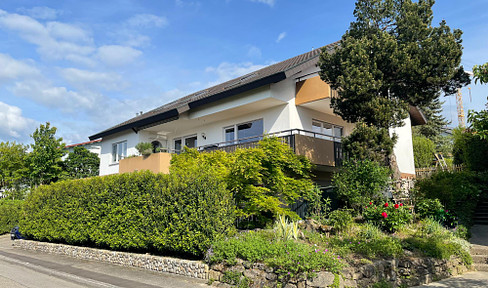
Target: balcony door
column 245, row 132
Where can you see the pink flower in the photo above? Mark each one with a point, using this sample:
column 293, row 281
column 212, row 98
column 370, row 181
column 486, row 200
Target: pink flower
column 401, row 204
column 386, row 204
column 384, row 215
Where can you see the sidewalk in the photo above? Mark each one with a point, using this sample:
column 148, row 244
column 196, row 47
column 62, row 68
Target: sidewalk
column 25, row 266
column 477, row 279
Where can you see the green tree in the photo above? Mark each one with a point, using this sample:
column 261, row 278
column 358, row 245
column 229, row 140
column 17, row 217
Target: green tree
column 360, row 182
column 369, row 142
column 392, row 57
column 481, row 73
column 45, row 164
column 436, row 123
column 423, row 151
column 12, row 169
column 81, row 163
column 470, row 150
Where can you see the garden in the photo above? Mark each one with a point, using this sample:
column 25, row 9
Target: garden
column 233, row 208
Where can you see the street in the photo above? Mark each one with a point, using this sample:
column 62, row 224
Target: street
column 20, row 268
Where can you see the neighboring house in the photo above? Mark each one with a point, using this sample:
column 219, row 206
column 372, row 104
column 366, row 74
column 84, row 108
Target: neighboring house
column 93, row 146
column 287, row 99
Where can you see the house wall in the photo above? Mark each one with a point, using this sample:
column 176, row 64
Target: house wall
column 106, row 165
column 403, row 149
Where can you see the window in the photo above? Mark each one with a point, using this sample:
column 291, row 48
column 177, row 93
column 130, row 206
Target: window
column 329, row 130
column 245, row 132
column 119, row 151
column 189, row 141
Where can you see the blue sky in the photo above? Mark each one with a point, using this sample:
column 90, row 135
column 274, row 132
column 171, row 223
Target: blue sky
column 87, row 65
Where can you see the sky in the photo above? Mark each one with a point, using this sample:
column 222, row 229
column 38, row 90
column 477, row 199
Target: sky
column 85, row 66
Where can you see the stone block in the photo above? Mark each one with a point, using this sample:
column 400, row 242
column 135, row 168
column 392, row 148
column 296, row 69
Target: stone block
column 323, row 279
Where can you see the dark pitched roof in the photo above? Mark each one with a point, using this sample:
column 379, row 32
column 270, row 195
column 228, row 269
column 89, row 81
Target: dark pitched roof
column 267, row 75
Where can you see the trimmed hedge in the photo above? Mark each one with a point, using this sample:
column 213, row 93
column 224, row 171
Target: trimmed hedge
column 10, row 213
column 177, row 213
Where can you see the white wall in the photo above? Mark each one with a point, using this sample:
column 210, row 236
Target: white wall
column 403, row 149
column 106, row 165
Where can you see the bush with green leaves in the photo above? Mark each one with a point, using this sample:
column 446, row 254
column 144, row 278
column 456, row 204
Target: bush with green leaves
column 340, row 219
column 285, row 230
column 288, row 258
column 388, row 216
column 178, row 213
column 470, row 150
column 144, row 148
column 359, row 182
column 459, row 192
column 264, row 180
column 423, row 151
column 10, row 214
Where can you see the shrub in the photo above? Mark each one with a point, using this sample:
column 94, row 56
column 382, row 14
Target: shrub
column 289, row 258
column 285, row 230
column 423, row 151
column 470, row 150
column 428, row 208
column 144, row 148
column 458, row 191
column 360, row 181
column 264, row 180
column 340, row 219
column 181, row 214
column 10, row 214
column 388, row 216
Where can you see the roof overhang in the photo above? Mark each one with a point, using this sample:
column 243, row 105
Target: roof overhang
column 175, row 113
column 417, row 117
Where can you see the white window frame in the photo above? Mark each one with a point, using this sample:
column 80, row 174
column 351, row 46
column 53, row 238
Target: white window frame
column 183, row 140
column 116, row 157
column 334, row 126
column 236, row 136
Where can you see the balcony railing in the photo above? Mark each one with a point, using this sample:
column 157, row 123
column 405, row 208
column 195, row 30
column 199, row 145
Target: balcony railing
column 298, row 142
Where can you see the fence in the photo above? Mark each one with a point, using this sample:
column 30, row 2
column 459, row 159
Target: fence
column 426, row 172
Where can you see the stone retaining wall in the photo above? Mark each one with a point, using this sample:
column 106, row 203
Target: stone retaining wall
column 194, row 269
column 407, row 271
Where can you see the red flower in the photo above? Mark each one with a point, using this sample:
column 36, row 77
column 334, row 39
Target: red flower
column 384, row 215
column 401, row 204
column 370, row 203
column 386, row 204
column 396, row 206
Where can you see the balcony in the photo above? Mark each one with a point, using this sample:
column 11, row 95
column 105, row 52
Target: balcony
column 321, row 149
column 157, row 163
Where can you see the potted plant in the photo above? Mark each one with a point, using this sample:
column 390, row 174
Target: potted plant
column 144, row 148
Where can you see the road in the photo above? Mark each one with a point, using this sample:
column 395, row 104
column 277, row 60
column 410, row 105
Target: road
column 20, row 268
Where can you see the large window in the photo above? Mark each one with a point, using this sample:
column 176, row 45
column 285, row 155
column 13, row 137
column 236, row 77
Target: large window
column 330, row 131
column 119, row 151
column 244, row 132
column 188, row 141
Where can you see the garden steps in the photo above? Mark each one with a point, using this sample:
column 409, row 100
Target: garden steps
column 479, row 253
column 481, row 214
column 480, row 267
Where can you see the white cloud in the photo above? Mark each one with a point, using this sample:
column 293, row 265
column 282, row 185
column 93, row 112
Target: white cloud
column 43, row 13
column 87, row 80
column 254, row 52
column 11, row 69
column 14, row 125
column 147, row 20
column 61, row 98
column 281, row 37
column 68, row 32
column 54, row 41
column 188, row 4
column 227, row 71
column 268, row 2
column 117, row 55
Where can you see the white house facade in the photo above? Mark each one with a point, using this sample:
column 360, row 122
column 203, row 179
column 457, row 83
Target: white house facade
column 286, row 100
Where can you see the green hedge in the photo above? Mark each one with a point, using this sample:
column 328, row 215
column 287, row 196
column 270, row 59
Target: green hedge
column 10, row 213
column 177, row 214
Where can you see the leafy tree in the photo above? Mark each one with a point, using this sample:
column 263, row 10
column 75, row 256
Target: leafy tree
column 481, row 73
column 391, row 57
column 45, row 164
column 12, row 168
column 423, row 151
column 263, row 180
column 470, row 150
column 479, row 123
column 81, row 163
column 360, row 182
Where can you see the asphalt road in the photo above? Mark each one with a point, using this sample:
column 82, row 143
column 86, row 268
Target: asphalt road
column 20, row 268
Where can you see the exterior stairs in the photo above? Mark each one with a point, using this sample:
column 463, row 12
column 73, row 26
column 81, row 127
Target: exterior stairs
column 479, row 253
column 481, row 214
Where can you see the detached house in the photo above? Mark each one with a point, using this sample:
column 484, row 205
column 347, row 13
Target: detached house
column 287, row 100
